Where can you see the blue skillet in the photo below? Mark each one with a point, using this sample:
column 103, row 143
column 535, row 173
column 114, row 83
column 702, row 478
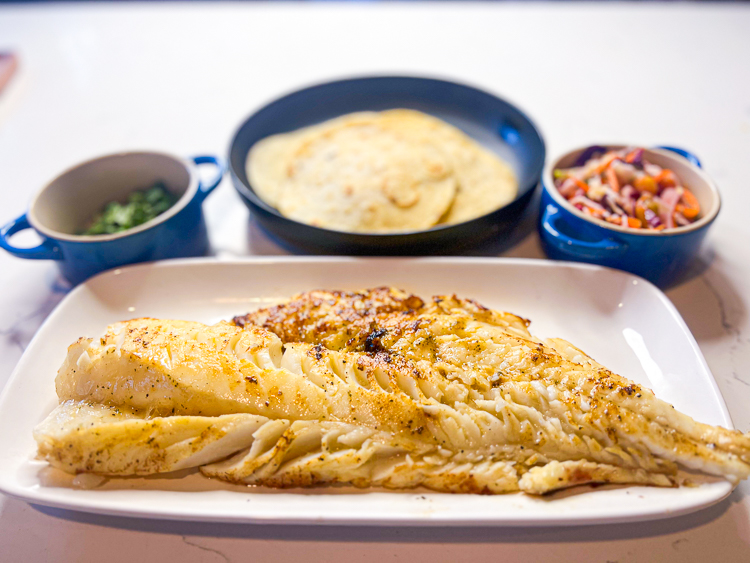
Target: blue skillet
column 493, row 122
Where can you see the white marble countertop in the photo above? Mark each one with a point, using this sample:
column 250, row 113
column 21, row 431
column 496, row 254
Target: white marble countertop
column 97, row 78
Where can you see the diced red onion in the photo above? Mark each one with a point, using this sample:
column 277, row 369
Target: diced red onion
column 638, row 157
column 651, row 169
column 610, row 201
column 586, row 202
column 667, row 202
column 625, row 172
column 651, row 218
column 568, row 188
column 588, row 154
column 629, row 192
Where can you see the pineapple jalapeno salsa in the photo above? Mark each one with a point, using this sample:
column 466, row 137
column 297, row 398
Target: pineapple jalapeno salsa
column 622, row 188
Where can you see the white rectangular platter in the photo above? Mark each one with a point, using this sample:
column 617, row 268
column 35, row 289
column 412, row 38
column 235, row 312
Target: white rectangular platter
column 622, row 321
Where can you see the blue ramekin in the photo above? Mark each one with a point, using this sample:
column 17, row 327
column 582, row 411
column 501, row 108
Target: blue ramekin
column 659, row 256
column 65, row 205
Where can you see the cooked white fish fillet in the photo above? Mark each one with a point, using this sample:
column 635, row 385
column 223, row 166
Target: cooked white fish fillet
column 306, row 453
column 371, row 389
column 302, row 454
column 490, row 356
column 342, row 320
column 182, row 368
column 91, row 438
column 164, row 368
column 88, row 437
column 556, row 475
column 83, row 437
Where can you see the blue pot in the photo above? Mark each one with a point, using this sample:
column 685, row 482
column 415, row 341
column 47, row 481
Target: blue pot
column 67, row 204
column 660, row 257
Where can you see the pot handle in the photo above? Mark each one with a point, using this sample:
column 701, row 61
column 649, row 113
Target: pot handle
column 48, row 250
column 569, row 245
column 205, row 189
column 691, row 158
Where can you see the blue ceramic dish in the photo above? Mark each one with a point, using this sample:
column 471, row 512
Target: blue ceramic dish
column 496, row 124
column 569, row 234
column 67, row 204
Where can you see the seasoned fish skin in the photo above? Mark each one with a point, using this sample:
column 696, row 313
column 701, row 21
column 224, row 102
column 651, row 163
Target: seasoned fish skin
column 341, row 320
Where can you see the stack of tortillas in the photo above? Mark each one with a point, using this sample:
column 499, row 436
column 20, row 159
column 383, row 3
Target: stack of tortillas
column 379, row 172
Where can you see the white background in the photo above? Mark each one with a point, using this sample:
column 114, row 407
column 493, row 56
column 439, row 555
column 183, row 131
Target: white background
column 180, row 77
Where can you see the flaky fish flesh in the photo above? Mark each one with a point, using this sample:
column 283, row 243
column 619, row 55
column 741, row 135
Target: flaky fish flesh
column 377, row 388
column 493, row 356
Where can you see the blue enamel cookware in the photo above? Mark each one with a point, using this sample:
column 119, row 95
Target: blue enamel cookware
column 492, row 121
column 63, row 208
column 659, row 256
